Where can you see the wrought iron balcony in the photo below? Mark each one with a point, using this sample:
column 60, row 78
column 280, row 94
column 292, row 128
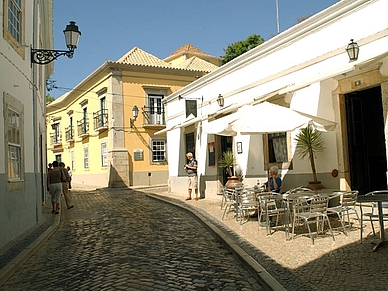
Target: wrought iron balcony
column 83, row 127
column 56, row 138
column 69, row 133
column 100, row 119
column 154, row 116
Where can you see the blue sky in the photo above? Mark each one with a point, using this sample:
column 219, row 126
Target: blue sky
column 111, row 28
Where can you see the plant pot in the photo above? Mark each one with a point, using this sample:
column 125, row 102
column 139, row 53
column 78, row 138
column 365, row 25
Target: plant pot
column 315, row 185
column 232, row 182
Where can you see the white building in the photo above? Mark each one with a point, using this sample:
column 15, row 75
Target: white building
column 25, row 24
column 305, row 68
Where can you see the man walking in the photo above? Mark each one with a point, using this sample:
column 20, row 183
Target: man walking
column 66, row 185
column 191, row 169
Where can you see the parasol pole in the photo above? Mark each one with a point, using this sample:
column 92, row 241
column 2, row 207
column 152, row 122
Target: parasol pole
column 267, row 159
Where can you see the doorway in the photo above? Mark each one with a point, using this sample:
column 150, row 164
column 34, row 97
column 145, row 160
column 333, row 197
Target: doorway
column 226, row 145
column 366, row 140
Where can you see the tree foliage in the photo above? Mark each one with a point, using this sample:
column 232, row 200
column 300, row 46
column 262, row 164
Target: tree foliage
column 238, row 48
column 49, row 98
column 227, row 162
column 309, row 142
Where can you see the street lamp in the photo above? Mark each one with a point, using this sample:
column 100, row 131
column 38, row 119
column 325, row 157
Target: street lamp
column 43, row 57
column 135, row 113
column 352, row 49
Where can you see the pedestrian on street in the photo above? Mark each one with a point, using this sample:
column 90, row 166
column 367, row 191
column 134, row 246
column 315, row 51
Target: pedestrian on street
column 54, row 186
column 69, row 171
column 66, row 185
column 191, row 169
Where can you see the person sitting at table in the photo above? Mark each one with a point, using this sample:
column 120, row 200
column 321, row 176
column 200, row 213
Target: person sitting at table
column 275, row 183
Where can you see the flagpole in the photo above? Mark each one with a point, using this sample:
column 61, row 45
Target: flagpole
column 277, row 16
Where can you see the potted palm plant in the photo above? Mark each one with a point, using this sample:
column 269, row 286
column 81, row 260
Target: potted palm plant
column 228, row 162
column 309, row 142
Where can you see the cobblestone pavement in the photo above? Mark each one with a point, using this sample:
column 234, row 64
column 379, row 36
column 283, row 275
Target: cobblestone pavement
column 297, row 264
column 124, row 240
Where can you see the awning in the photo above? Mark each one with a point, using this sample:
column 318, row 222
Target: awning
column 191, row 120
column 164, row 130
column 221, row 126
column 270, row 118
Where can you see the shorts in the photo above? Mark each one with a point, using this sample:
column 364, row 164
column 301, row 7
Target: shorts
column 55, row 191
column 192, row 182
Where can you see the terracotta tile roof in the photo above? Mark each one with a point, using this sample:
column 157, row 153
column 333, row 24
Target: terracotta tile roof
column 188, row 48
column 137, row 56
column 197, row 64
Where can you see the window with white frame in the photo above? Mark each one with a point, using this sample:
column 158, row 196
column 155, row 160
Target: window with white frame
column 86, row 157
column 159, row 150
column 14, row 23
column 72, row 157
column 156, row 109
column 14, row 144
column 103, row 154
column 13, row 20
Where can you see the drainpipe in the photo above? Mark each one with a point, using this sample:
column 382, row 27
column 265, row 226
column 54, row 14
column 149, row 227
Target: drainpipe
column 34, row 114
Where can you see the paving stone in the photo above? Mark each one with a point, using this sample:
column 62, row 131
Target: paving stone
column 147, row 245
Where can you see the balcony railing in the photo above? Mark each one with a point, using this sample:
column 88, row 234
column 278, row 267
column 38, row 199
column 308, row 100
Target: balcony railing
column 55, row 138
column 154, row 116
column 83, row 127
column 100, row 119
column 69, row 133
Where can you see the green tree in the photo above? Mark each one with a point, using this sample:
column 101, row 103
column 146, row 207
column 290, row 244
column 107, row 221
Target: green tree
column 49, row 98
column 238, row 48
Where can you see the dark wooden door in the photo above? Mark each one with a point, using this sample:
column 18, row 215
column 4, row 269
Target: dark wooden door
column 366, row 141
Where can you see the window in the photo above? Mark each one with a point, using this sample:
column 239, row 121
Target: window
column 277, row 143
column 71, row 133
column 13, row 24
column 15, row 19
column 103, row 154
column 57, row 133
column 72, row 157
column 190, row 143
column 159, row 151
column 86, row 157
column 156, row 109
column 14, row 144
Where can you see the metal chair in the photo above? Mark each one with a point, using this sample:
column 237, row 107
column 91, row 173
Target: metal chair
column 228, row 200
column 271, row 205
column 313, row 210
column 347, row 204
column 373, row 214
column 246, row 203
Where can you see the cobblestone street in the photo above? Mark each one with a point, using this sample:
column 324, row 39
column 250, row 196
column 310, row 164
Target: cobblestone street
column 123, row 240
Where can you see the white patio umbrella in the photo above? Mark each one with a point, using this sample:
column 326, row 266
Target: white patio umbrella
column 267, row 118
column 270, row 118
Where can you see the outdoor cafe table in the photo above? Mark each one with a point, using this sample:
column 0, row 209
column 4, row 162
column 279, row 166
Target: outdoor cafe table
column 380, row 198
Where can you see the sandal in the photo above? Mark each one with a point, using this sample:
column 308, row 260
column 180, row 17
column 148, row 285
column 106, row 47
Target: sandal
column 188, row 198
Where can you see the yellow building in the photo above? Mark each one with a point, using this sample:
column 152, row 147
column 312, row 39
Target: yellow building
column 104, row 127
